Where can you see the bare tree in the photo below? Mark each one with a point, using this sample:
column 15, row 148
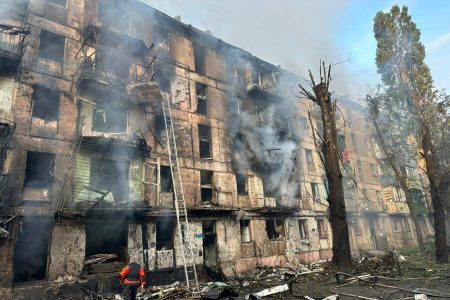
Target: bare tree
column 329, row 154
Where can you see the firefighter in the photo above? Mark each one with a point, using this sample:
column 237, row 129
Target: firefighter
column 132, row 276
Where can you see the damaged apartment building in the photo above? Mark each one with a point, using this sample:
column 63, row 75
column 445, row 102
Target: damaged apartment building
column 86, row 174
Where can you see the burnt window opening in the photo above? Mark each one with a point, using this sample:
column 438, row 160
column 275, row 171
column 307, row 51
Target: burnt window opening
column 199, row 58
column 303, row 229
column 164, row 234
column 107, row 238
column 406, row 225
column 206, row 186
column 39, row 170
column 275, row 229
column 165, row 179
column 45, row 103
column 160, row 127
column 315, row 194
column 204, row 136
column 51, row 46
column 111, row 14
column 31, row 251
column 62, row 3
column 110, row 176
column 110, row 117
column 241, row 185
column 322, row 228
column 202, row 99
column 245, row 231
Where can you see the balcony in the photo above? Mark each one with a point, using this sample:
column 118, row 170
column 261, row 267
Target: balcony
column 11, row 47
column 263, row 86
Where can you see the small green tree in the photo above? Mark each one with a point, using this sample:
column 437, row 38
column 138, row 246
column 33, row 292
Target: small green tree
column 400, row 62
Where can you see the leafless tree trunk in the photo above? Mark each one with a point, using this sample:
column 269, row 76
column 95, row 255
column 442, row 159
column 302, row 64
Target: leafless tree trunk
column 330, row 159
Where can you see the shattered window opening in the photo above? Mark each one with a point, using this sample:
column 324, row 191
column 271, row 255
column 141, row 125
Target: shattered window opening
column 199, row 58
column 245, row 231
column 51, row 46
column 45, row 103
column 303, row 228
column 206, row 186
column 111, row 14
column 31, row 252
column 164, row 234
column 202, row 99
column 310, row 161
column 110, row 176
column 275, row 229
column 204, row 136
column 322, row 229
column 166, row 185
column 110, row 117
column 241, row 185
column 39, row 170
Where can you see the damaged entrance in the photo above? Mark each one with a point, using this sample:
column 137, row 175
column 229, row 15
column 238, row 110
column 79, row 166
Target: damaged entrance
column 106, row 247
column 30, row 251
column 209, row 243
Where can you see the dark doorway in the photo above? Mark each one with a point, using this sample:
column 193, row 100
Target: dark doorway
column 31, row 251
column 164, row 234
column 209, row 243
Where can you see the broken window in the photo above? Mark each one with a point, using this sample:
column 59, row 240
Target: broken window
column 204, row 136
column 315, row 194
column 241, row 185
column 107, row 238
column 166, row 179
column 199, row 57
column 245, row 231
column 62, row 3
column 326, row 186
column 110, row 177
column 39, row 170
column 274, row 229
column 110, row 117
column 202, row 103
column 164, row 234
column 206, row 186
column 160, row 127
column 51, row 46
column 304, row 124
column 303, row 228
column 309, row 160
column 110, row 13
column 322, row 228
column 45, row 103
column 31, row 251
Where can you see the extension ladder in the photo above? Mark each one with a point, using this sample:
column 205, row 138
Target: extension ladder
column 179, row 202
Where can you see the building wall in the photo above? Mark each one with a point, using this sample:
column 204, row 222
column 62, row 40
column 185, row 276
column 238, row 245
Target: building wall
column 147, row 204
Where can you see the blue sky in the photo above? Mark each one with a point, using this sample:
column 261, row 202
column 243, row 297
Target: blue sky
column 297, row 33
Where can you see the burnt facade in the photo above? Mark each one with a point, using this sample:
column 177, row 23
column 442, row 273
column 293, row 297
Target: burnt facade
column 86, row 176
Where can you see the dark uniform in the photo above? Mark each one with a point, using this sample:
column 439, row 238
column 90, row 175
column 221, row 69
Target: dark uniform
column 132, row 276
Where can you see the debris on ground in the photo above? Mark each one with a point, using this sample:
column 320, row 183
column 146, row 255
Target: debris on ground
column 100, row 258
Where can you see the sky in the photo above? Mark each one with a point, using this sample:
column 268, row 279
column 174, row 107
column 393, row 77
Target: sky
column 296, row 34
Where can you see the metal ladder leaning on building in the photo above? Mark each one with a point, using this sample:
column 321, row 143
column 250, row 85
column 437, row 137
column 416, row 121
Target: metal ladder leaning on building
column 180, row 204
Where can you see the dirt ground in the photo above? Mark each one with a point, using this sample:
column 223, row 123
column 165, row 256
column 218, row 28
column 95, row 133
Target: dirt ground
column 379, row 279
